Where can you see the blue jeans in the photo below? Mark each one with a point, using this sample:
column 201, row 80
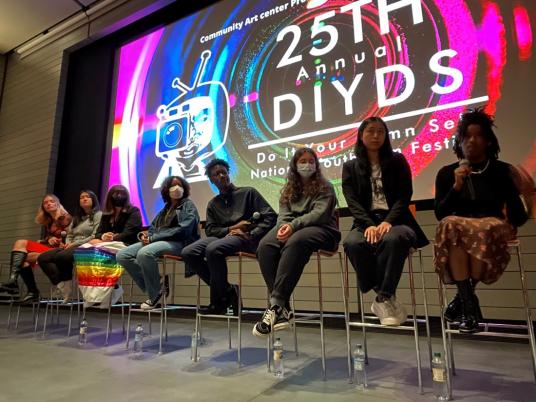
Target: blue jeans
column 140, row 262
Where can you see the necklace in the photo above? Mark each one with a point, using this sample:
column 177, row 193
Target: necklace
column 481, row 170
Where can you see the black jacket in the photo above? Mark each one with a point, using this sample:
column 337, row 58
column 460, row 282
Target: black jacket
column 494, row 190
column 239, row 204
column 397, row 185
column 125, row 229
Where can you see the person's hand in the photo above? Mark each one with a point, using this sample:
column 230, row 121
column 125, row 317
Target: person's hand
column 460, row 174
column 239, row 233
column 284, row 233
column 383, row 228
column 144, row 237
column 54, row 242
column 242, row 225
column 108, row 236
column 371, row 234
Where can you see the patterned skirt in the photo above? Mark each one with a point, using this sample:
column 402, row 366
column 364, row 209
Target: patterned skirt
column 485, row 239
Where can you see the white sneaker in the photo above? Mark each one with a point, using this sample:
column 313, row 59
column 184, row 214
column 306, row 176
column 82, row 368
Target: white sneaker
column 66, row 291
column 399, row 310
column 385, row 312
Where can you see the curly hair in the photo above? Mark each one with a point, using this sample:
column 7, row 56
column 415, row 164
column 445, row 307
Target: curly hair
column 294, row 189
column 209, row 166
column 166, row 184
column 43, row 217
column 386, row 150
column 486, row 122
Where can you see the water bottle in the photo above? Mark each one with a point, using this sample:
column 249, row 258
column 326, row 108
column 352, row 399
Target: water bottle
column 439, row 377
column 138, row 341
column 82, row 335
column 360, row 374
column 279, row 369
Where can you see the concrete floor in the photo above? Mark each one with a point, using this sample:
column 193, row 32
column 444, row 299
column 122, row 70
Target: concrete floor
column 54, row 368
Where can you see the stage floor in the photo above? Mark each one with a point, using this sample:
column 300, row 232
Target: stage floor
column 54, row 368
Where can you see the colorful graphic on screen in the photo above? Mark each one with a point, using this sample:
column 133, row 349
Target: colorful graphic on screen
column 250, row 82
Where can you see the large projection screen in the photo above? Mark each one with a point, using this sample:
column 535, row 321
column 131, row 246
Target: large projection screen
column 251, row 81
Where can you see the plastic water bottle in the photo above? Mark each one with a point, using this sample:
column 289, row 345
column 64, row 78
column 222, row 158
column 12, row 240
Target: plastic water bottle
column 360, row 373
column 82, row 334
column 279, row 369
column 138, row 341
column 439, row 377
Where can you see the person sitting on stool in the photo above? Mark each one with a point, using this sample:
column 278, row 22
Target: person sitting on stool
column 306, row 223
column 377, row 187
column 471, row 239
column 229, row 229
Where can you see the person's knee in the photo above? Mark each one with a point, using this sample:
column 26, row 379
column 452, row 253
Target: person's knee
column 123, row 256
column 354, row 244
column 215, row 250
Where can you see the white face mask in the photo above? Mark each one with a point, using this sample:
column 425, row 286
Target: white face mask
column 306, row 170
column 176, row 192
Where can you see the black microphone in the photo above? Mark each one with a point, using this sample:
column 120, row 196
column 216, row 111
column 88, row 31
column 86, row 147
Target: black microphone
column 468, row 180
column 63, row 236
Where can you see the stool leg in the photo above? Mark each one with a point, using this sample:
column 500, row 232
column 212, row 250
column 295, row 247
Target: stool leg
column 269, row 340
column 426, row 316
column 321, row 308
column 129, row 314
column 293, row 307
column 197, row 319
column 415, row 323
column 18, row 316
column 345, row 295
column 364, row 329
column 239, row 310
column 446, row 353
column 526, row 303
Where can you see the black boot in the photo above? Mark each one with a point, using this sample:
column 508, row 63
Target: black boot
column 469, row 319
column 33, row 293
column 17, row 261
column 453, row 312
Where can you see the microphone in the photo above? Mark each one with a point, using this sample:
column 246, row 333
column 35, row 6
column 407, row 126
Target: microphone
column 63, row 236
column 468, row 180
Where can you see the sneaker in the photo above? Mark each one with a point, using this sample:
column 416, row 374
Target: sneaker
column 31, row 297
column 385, row 312
column 400, row 311
column 269, row 318
column 66, row 290
column 284, row 320
column 150, row 304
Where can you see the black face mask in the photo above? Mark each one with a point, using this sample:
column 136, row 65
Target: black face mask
column 119, row 200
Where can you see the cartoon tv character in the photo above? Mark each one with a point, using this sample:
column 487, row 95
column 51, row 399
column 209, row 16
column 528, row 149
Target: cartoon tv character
column 189, row 132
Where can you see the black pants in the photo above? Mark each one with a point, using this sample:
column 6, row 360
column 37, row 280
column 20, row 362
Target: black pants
column 57, row 264
column 379, row 266
column 207, row 258
column 282, row 263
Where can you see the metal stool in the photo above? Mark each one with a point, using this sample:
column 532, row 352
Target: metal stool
column 364, row 325
column 164, row 308
column 198, row 316
column 57, row 301
column 447, row 330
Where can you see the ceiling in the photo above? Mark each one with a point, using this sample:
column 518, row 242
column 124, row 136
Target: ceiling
column 21, row 20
